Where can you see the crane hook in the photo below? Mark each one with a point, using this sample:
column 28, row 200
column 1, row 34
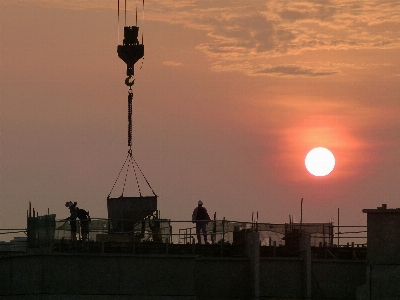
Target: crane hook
column 129, row 83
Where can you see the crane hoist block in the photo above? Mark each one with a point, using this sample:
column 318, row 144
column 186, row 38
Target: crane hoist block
column 130, row 51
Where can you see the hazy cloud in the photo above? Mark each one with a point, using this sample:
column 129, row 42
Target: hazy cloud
column 172, row 63
column 270, row 26
column 259, row 30
column 340, row 18
column 293, row 70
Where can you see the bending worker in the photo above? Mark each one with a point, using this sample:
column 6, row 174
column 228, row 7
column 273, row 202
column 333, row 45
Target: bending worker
column 84, row 217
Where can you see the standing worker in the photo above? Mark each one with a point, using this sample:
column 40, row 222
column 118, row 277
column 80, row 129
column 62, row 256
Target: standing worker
column 84, row 217
column 72, row 218
column 200, row 217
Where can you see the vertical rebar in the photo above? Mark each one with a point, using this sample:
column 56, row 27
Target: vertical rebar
column 301, row 212
column 338, row 228
column 213, row 237
column 223, row 230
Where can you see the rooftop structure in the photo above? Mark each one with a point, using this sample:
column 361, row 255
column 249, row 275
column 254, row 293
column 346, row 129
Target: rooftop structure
column 383, row 235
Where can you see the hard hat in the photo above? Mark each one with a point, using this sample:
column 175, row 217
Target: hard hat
column 200, row 202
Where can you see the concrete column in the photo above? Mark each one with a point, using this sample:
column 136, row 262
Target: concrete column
column 305, row 250
column 253, row 253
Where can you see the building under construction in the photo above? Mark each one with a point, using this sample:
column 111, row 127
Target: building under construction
column 136, row 253
column 244, row 261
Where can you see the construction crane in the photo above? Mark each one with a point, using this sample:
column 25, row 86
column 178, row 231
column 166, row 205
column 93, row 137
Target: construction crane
column 126, row 211
column 130, row 52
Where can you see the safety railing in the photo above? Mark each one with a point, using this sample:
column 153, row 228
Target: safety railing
column 7, row 234
column 165, row 230
column 225, row 231
column 355, row 236
column 184, row 232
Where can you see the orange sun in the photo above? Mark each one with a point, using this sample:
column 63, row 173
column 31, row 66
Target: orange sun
column 320, row 161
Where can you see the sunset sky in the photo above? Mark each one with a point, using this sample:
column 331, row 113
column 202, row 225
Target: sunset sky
column 228, row 100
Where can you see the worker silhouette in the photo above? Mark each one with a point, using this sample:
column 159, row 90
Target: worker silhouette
column 72, row 218
column 84, row 219
column 200, row 217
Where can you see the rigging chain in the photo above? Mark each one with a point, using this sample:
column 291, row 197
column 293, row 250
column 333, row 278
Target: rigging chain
column 130, row 97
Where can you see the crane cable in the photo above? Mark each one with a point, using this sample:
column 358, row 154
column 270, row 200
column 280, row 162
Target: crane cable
column 130, row 97
column 125, row 17
column 136, row 17
column 141, row 65
column 118, row 25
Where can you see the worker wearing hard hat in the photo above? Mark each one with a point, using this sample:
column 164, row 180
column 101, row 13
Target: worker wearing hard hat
column 200, row 217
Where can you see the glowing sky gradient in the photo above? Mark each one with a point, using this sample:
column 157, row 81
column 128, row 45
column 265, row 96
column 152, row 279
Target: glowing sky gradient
column 230, row 98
